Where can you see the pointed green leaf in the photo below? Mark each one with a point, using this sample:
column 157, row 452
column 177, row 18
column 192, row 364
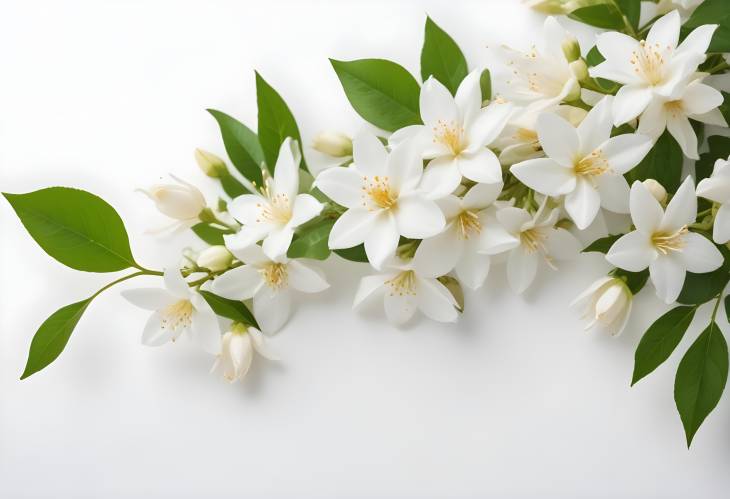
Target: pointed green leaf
column 51, row 338
column 312, row 242
column 276, row 122
column 442, row 58
column 603, row 244
column 77, row 228
column 242, row 146
column 632, row 10
column 634, row 280
column 230, row 309
column 485, row 85
column 663, row 163
column 381, row 91
column 602, row 15
column 701, row 379
column 210, row 234
column 701, row 288
column 713, row 12
column 354, row 254
column 660, row 340
column 232, row 186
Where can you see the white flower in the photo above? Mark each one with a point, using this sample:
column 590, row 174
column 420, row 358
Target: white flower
column 181, row 201
column 408, row 286
column 541, row 76
column 651, row 68
column 697, row 101
column 463, row 245
column 333, row 144
column 237, row 350
column 717, row 189
column 214, row 258
column 663, row 242
column 518, row 141
column 269, row 282
column 606, row 305
column 380, row 190
column 277, row 211
column 455, row 134
column 586, row 164
column 538, row 238
column 177, row 309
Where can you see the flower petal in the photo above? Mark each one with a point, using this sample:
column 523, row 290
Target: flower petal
column 481, row 195
column 205, row 329
column 271, row 309
column 583, row 203
column 305, row 208
column 382, row 239
column 715, row 188
column 624, row 152
column 435, row 301
column 404, row 167
column 246, row 208
column 614, row 191
column 699, row 255
column 240, row 283
column 646, row 212
column 418, row 218
column 700, row 98
column 369, row 154
column 681, row 129
column 248, row 236
column 721, row 229
column 399, row 307
column 664, row 32
column 175, row 283
column 351, row 228
column 633, row 252
column 667, row 274
column 468, row 97
column 698, row 41
column 286, row 171
column 277, row 243
column 472, row 268
column 545, row 176
column 488, row 124
column 562, row 245
column 437, row 104
column 512, row 219
column 437, row 255
column 305, row 279
column 441, row 177
column 595, row 129
column 341, row 185
column 682, row 209
column 630, row 102
column 558, row 138
column 495, row 239
column 153, row 334
column 368, row 286
column 251, row 254
column 149, row 298
column 260, row 344
column 521, row 268
column 481, row 166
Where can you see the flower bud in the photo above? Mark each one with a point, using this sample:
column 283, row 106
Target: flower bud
column 334, row 144
column 579, row 69
column 555, row 6
column 607, row 305
column 237, row 348
column 215, row 258
column 571, row 48
column 573, row 92
column 181, row 201
column 656, row 189
column 210, row 164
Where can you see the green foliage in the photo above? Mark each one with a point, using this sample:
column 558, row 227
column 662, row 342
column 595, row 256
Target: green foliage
column 51, row 338
column 713, row 12
column 603, row 15
column 701, row 379
column 354, row 254
column 719, row 148
column 660, row 340
column 211, row 234
column 442, row 58
column 312, row 242
column 242, row 146
column 485, row 85
column 603, row 244
column 663, row 163
column 231, row 185
column 381, row 91
column 701, row 288
column 276, row 122
column 231, row 309
column 77, row 228
column 634, row 280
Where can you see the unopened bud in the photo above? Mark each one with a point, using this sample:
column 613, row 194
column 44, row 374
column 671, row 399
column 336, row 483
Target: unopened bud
column 210, row 164
column 182, row 201
column 571, row 48
column 215, row 258
column 554, row 6
column 656, row 189
column 579, row 69
column 334, row 144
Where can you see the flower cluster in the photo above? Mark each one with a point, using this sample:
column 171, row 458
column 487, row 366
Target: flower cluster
column 509, row 164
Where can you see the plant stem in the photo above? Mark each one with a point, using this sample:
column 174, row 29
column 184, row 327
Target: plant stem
column 717, row 305
column 121, row 279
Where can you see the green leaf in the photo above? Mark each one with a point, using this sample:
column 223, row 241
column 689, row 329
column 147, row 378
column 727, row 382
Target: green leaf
column 727, row 307
column 594, row 57
column 381, row 91
column 210, row 234
column 725, row 107
column 77, row 228
column 663, row 163
column 442, row 58
column 632, row 10
column 485, row 85
column 231, row 185
column 701, row 379
column 719, row 148
column 701, row 288
column 242, row 146
column 51, row 338
column 604, row 16
column 354, row 254
column 660, row 340
column 231, row 309
column 713, row 12
column 313, row 242
column 634, row 280
column 603, row 244
column 276, row 122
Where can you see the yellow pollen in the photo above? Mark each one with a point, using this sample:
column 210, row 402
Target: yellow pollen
column 277, row 209
column 525, row 135
column 533, row 240
column 469, row 224
column 275, row 275
column 177, row 316
column 648, row 62
column 378, row 193
column 403, row 284
column 675, row 108
column 592, row 165
column 666, row 242
column 451, row 135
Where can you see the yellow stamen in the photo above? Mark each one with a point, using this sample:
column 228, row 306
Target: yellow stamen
column 648, row 62
column 451, row 135
column 378, row 193
column 403, row 284
column 666, row 242
column 469, row 224
column 275, row 275
column 593, row 165
column 177, row 316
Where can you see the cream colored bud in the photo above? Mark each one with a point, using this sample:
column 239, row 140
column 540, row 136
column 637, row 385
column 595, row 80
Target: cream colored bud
column 579, row 69
column 334, row 144
column 571, row 48
column 210, row 164
column 215, row 258
column 554, row 6
column 606, row 304
column 181, row 201
column 656, row 189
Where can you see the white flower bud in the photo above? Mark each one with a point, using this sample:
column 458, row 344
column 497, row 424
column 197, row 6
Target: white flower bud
column 210, row 164
column 571, row 48
column 607, row 305
column 237, row 348
column 215, row 258
column 656, row 189
column 181, row 201
column 555, row 6
column 334, row 144
column 579, row 69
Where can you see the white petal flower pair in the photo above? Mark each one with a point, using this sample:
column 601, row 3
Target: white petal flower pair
column 176, row 310
column 455, row 134
column 468, row 240
column 538, row 239
column 269, row 283
column 381, row 193
column 655, row 68
column 273, row 214
column 716, row 188
column 408, row 286
column 662, row 241
column 586, row 165
column 543, row 76
column 238, row 347
column 606, row 305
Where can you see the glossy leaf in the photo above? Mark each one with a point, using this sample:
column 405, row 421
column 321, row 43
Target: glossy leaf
column 713, row 12
column 210, row 234
column 51, row 338
column 660, row 340
column 632, row 10
column 603, row 244
column 381, row 91
column 242, row 146
column 701, row 288
column 77, row 228
column 354, row 254
column 442, row 58
column 231, row 186
column 230, row 309
column 634, row 280
column 312, row 242
column 701, row 379
column 485, row 85
column 663, row 163
column 604, row 16
column 719, row 148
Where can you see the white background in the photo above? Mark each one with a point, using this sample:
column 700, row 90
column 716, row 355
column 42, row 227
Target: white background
column 514, row 401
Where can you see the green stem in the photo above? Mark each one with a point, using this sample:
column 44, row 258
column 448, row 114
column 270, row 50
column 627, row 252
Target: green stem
column 720, row 67
column 628, row 27
column 121, row 279
column 717, row 305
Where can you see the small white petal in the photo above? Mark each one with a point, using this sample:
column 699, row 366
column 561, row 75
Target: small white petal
column 472, row 269
column 468, row 96
column 558, row 138
column 721, row 229
column 246, row 208
column 251, row 254
column 646, row 212
column 305, row 208
column 399, row 308
column 583, row 203
column 562, row 245
column 664, row 32
column 153, row 335
column 369, row 154
column 205, row 329
column 633, row 252
column 614, row 191
column 435, row 301
column 277, row 243
column 488, row 124
column 545, row 176
column 698, row 41
column 149, row 298
column 715, row 188
column 305, row 279
column 441, row 177
column 513, row 219
column 382, row 239
column 368, row 286
column 480, row 166
column 481, row 195
column 682, row 209
column 260, row 344
column 271, row 309
column 175, row 283
column 521, row 268
column 341, row 185
column 437, row 104
column 240, row 283
column 624, row 152
column 437, row 255
column 351, row 228
column 418, row 218
column 699, row 255
column 630, row 102
column 286, row 171
column 700, row 98
column 681, row 129
column 595, row 129
column 667, row 274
